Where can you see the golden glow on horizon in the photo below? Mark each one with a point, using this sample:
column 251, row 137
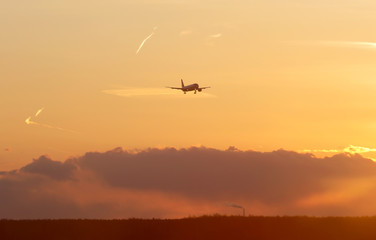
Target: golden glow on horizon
column 350, row 149
column 340, row 192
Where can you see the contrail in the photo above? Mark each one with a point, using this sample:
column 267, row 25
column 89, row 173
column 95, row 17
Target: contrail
column 39, row 111
column 345, row 44
column 28, row 121
column 351, row 44
column 143, row 42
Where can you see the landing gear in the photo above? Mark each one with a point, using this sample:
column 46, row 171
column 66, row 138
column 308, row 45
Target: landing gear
column 195, row 91
column 185, row 92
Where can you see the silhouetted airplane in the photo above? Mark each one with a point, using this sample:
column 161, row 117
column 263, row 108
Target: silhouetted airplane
column 192, row 87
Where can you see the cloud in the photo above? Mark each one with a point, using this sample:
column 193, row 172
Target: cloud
column 218, row 35
column 269, row 177
column 350, row 149
column 212, row 38
column 185, row 32
column 53, row 169
column 351, row 44
column 173, row 182
column 358, row 149
column 144, row 92
column 346, row 44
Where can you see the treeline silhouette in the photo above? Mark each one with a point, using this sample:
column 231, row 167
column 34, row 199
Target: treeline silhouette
column 206, row 227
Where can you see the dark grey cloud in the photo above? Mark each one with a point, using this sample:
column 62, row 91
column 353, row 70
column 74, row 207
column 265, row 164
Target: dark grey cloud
column 179, row 182
column 272, row 177
column 53, row 169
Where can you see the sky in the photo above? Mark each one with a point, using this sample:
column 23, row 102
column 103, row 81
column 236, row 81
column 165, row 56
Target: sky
column 91, row 76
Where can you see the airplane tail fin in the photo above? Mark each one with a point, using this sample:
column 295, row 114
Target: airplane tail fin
column 182, row 83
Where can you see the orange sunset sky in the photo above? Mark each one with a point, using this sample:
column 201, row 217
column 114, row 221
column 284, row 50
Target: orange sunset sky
column 90, row 76
column 297, row 75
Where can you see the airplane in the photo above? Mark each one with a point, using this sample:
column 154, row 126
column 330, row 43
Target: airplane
column 192, row 87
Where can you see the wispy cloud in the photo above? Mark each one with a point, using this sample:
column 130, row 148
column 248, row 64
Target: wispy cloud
column 344, row 44
column 185, row 32
column 144, row 92
column 351, row 44
column 218, row 35
column 143, row 42
column 358, row 149
column 321, row 151
column 350, row 149
column 212, row 38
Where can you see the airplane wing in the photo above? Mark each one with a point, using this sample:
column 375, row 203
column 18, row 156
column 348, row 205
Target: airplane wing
column 204, row 87
column 175, row 88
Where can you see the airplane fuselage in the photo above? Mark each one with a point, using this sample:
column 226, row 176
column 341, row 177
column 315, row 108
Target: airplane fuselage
column 192, row 87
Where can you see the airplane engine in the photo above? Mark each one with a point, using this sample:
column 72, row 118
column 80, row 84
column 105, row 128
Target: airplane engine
column 199, row 89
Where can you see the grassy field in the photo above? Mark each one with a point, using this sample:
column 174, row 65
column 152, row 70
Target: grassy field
column 213, row 227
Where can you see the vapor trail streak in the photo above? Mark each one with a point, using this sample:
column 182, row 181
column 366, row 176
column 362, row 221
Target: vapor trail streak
column 353, row 44
column 344, row 44
column 28, row 121
column 38, row 112
column 143, row 42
